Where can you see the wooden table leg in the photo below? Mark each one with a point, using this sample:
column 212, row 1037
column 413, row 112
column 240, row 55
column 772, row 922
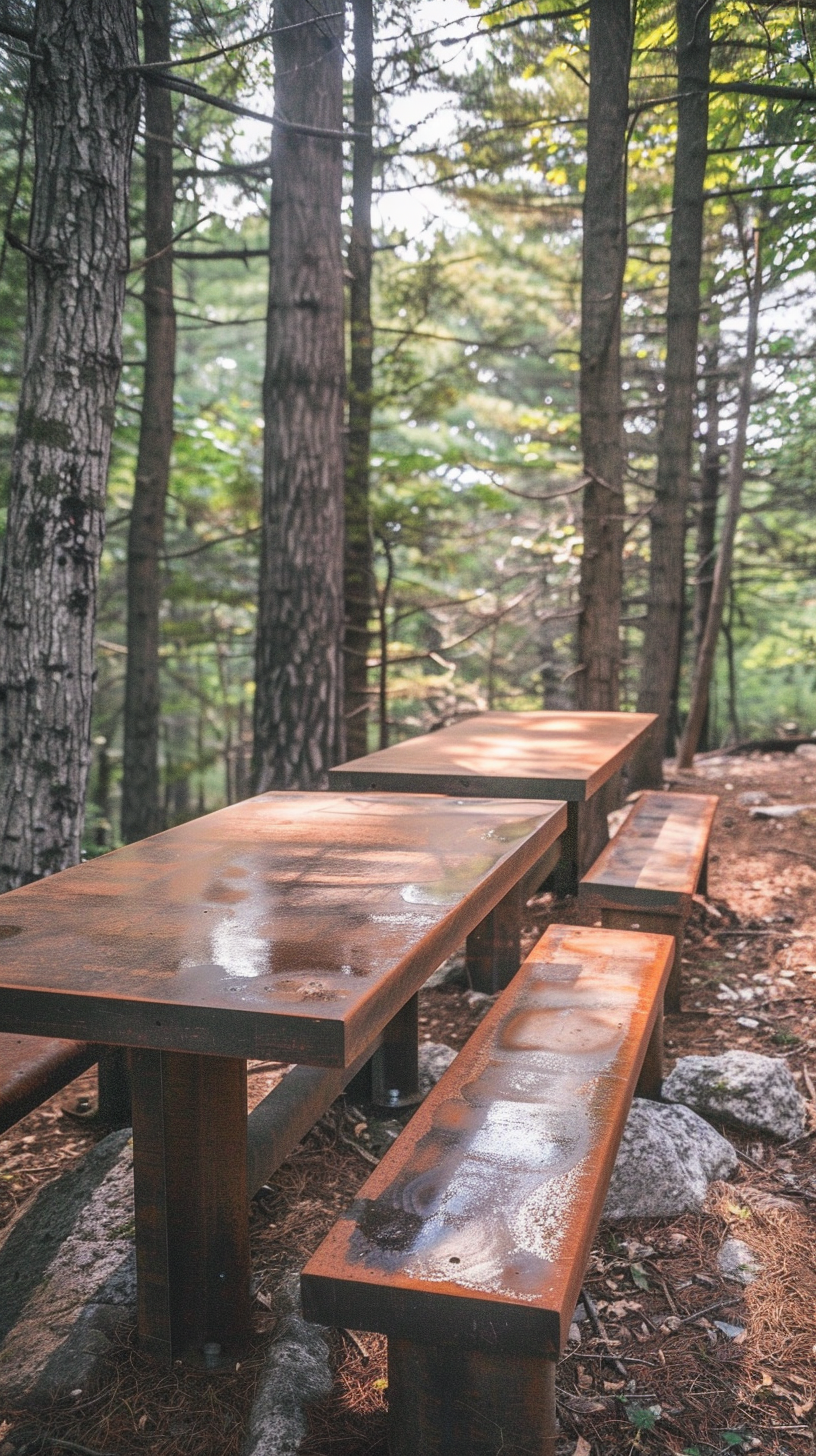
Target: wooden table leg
column 192, row 1219
column 567, row 873
column 390, row 1078
column 443, row 1401
column 494, row 948
column 113, row 1082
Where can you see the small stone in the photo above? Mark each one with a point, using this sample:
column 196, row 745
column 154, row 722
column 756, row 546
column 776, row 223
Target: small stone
column 806, row 750
column 434, row 1059
column 745, row 1089
column 451, row 973
column 749, row 1022
column 737, row 1261
column 667, row 1158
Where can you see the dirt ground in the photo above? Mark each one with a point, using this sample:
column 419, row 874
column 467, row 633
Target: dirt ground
column 671, row 1358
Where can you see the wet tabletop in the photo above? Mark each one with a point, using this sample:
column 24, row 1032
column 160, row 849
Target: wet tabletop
column 566, row 755
column 478, row 1222
column 290, row 926
column 659, row 852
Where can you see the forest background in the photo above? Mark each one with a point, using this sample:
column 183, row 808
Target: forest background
column 476, row 461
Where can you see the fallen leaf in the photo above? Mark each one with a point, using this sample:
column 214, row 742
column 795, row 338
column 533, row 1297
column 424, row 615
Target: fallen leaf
column 582, row 1447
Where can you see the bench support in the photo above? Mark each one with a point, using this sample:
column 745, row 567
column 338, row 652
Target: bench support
column 650, row 1081
column 391, row 1077
column 443, row 1401
column 663, row 922
column 192, row 1224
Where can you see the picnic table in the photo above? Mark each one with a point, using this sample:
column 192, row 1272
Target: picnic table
column 294, row 927
column 539, row 755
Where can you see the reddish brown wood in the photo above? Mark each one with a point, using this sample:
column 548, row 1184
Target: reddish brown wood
column 292, row 926
column 190, row 1186
column 656, row 859
column 518, row 755
column 33, row 1068
column 647, row 876
column 493, row 952
column 446, row 1401
column 476, row 1227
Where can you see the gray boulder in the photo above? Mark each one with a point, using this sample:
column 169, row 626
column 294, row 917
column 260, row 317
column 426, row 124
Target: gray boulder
column 434, row 1060
column 67, row 1277
column 667, row 1158
column 745, row 1089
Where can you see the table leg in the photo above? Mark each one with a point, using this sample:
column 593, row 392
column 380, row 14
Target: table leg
column 192, row 1223
column 494, row 948
column 391, row 1077
column 567, row 873
column 113, row 1082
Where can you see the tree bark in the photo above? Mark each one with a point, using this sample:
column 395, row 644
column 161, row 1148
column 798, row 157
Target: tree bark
column 358, row 562
column 662, row 639
column 707, row 518
column 299, row 669
column 84, row 110
column 704, row 667
column 604, row 260
column 141, row 807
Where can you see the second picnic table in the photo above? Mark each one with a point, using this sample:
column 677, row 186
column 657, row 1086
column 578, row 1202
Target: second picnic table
column 291, row 926
column 535, row 755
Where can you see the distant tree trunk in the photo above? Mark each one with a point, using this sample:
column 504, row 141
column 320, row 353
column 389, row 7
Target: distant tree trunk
column 604, row 260
column 707, row 518
column 358, row 564
column 704, row 666
column 299, row 668
column 141, row 809
column 662, row 639
column 84, row 105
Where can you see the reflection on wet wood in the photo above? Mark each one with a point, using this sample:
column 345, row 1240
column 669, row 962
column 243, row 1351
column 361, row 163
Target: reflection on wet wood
column 478, row 1223
column 292, row 926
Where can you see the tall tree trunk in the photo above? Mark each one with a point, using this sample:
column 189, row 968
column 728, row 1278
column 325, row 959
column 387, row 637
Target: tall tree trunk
column 707, row 518
column 141, row 809
column 661, row 644
column 299, row 669
column 604, row 260
column 85, row 106
column 704, row 666
column 358, row 563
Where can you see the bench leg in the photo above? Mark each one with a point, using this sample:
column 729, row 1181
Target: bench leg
column 650, row 1081
column 391, row 1077
column 192, row 1220
column 702, row 883
column 443, row 1401
column 493, row 953
column 664, row 924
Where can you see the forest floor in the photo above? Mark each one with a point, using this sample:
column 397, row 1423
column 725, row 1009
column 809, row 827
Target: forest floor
column 690, row 1362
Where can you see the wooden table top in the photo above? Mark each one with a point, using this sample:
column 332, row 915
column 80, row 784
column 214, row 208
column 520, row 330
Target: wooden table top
column 518, row 755
column 290, row 926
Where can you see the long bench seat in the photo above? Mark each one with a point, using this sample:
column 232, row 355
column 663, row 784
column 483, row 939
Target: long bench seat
column 468, row 1245
column 647, row 876
column 33, row 1068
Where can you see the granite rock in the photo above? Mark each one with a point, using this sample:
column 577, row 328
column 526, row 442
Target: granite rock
column 736, row 1260
column 296, row 1374
column 745, row 1089
column 434, row 1060
column 667, row 1158
column 67, row 1277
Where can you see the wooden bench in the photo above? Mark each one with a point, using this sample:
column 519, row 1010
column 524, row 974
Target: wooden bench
column 468, row 1245
column 33, row 1068
column 647, row 876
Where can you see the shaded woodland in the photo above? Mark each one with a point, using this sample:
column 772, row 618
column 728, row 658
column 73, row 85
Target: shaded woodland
column 364, row 366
